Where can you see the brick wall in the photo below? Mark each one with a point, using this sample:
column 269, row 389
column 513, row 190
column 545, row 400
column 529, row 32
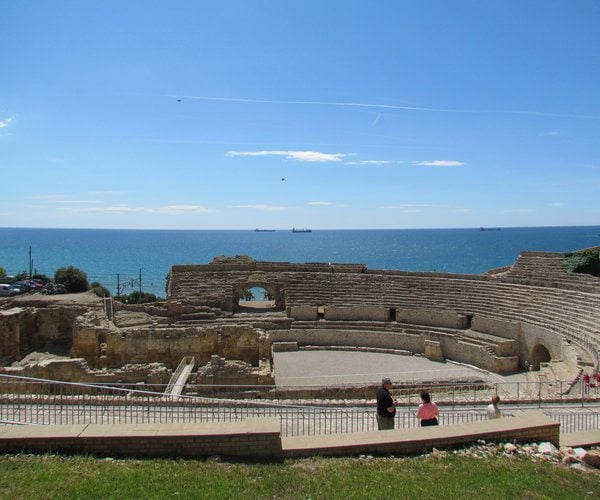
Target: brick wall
column 253, row 437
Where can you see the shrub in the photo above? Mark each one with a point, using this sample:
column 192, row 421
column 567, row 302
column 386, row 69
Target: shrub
column 99, row 289
column 137, row 298
column 585, row 262
column 73, row 279
column 2, row 272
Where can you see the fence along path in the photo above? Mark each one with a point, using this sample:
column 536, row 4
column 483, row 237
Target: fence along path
column 45, row 402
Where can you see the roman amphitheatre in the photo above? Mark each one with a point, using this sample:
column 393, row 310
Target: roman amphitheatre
column 331, row 329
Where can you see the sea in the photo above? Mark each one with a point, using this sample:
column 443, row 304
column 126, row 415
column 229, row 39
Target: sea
column 124, row 257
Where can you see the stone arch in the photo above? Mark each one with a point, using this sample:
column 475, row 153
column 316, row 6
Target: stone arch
column 259, row 281
column 539, row 354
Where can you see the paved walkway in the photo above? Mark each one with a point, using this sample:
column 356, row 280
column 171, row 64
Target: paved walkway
column 261, row 437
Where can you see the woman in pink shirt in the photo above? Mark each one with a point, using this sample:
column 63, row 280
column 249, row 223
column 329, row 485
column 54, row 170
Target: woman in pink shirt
column 428, row 411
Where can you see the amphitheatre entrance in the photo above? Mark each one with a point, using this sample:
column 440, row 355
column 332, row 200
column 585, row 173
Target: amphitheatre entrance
column 256, row 300
column 539, row 355
column 257, row 294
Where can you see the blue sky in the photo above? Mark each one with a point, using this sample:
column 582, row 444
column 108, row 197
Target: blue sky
column 279, row 114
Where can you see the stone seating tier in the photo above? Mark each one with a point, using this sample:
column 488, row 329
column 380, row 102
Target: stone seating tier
column 545, row 269
column 500, row 299
column 516, row 302
column 550, row 304
column 495, row 345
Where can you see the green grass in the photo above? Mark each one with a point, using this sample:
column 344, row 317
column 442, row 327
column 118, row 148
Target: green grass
column 50, row 476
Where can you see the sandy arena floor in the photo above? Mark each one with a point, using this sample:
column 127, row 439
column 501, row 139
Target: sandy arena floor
column 305, row 368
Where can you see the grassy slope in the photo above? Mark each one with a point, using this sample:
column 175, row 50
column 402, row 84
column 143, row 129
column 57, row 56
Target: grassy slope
column 26, row 476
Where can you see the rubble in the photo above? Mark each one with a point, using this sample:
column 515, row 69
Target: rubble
column 578, row 458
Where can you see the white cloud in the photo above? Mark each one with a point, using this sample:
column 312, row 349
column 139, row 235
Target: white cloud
column 320, row 203
column 126, row 209
column 5, row 123
column 269, row 208
column 310, row 156
column 370, row 162
column 438, row 163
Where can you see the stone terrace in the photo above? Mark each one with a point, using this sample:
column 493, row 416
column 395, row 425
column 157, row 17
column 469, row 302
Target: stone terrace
column 545, row 269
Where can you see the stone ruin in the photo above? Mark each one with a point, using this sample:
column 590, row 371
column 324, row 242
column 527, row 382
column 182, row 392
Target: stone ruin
column 532, row 313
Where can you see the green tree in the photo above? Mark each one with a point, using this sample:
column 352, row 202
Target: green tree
column 73, row 279
column 2, row 272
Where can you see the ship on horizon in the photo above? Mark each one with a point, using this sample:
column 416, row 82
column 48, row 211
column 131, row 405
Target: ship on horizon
column 298, row 230
column 264, row 230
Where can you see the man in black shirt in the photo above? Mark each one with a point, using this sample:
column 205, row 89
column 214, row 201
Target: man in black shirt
column 386, row 409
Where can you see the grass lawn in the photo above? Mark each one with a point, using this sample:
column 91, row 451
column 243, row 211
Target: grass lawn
column 53, row 476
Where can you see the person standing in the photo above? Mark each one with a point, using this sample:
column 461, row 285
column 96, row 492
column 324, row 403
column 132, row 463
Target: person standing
column 428, row 411
column 386, row 408
column 492, row 410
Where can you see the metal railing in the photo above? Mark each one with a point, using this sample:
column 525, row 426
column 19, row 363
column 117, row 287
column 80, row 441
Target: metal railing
column 36, row 401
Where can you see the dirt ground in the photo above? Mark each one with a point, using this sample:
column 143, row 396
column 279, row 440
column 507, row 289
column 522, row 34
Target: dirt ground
column 34, row 299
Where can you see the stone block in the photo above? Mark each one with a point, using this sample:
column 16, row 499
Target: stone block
column 433, row 350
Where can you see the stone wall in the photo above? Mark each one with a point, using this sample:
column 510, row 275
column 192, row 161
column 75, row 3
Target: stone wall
column 219, row 371
column 500, row 328
column 533, row 335
column 26, row 329
column 10, row 334
column 305, row 313
column 169, row 345
column 77, row 370
column 337, row 313
column 432, row 317
column 356, row 338
column 477, row 355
